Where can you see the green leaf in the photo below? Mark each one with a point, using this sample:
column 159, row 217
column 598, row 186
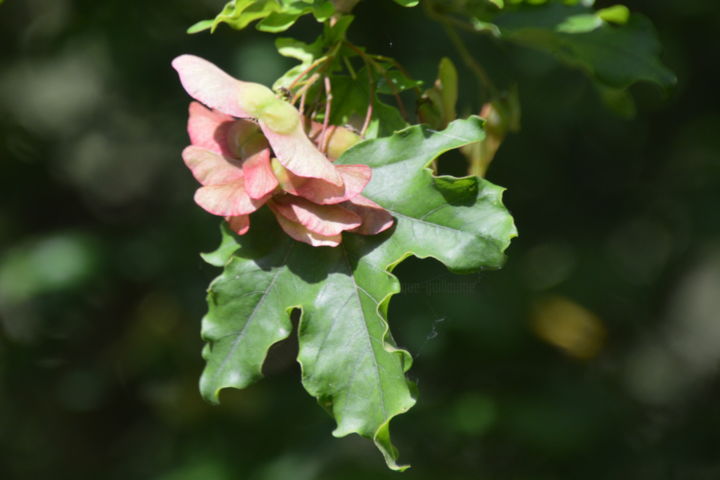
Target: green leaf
column 240, row 13
column 305, row 53
column 308, row 53
column 322, row 10
column 465, row 232
column 407, row 3
column 349, row 360
column 336, row 33
column 272, row 15
column 350, row 104
column 278, row 21
column 437, row 105
column 615, row 55
column 395, row 81
column 581, row 23
column 616, row 14
column 200, row 26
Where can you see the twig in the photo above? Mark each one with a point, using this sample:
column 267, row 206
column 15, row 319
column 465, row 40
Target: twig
column 323, row 141
column 368, row 118
column 439, row 17
column 397, row 65
column 306, row 86
column 350, row 68
column 448, row 23
column 302, row 102
column 312, row 66
column 369, row 62
column 470, row 61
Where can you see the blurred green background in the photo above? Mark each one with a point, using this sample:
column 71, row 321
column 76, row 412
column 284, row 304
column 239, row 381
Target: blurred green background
column 593, row 354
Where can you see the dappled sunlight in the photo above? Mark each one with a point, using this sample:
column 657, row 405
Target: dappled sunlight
column 683, row 356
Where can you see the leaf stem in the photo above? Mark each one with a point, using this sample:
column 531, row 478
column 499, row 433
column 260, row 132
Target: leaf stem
column 399, row 66
column 324, row 138
column 350, row 68
column 312, row 66
column 300, row 94
column 370, row 62
column 470, row 61
column 449, row 24
column 371, row 86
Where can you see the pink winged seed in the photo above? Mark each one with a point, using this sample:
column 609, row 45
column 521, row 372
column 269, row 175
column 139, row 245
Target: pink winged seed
column 259, row 177
column 325, row 220
column 227, row 200
column 323, row 199
column 210, row 85
column 375, row 219
column 216, row 89
column 297, row 153
column 302, row 234
column 239, row 224
column 208, row 128
column 355, row 178
column 210, row 168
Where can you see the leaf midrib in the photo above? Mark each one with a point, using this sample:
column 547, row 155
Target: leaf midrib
column 241, row 332
column 376, row 370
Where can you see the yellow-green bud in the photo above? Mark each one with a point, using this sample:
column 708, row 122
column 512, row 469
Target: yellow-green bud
column 260, row 102
column 280, row 116
column 255, row 98
column 340, row 140
column 280, row 173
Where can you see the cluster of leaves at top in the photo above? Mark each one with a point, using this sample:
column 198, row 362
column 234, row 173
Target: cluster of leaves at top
column 349, row 359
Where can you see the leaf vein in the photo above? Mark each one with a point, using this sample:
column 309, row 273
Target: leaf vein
column 241, row 332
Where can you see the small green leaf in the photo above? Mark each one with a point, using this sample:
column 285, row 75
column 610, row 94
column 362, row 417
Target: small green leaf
column 437, row 105
column 349, row 360
column 407, row 3
column 199, row 26
column 305, row 53
column 616, row 14
column 448, row 84
column 240, row 13
column 395, row 81
column 482, row 26
column 582, row 23
column 322, row 10
column 336, row 33
column 291, row 48
column 278, row 22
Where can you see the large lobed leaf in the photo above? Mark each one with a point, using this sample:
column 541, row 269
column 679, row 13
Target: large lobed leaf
column 349, row 360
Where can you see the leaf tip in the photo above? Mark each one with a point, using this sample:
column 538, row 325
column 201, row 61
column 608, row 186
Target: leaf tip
column 208, row 393
column 389, row 451
column 199, row 26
